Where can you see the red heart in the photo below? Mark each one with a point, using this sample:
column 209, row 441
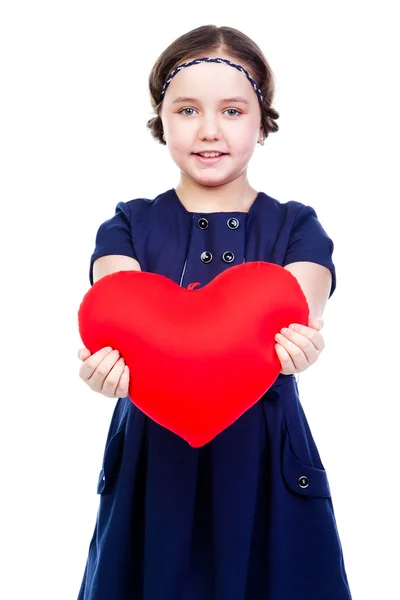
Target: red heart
column 198, row 358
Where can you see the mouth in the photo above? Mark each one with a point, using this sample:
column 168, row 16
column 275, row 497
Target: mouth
column 209, row 160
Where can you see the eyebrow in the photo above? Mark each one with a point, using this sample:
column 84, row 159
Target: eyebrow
column 223, row 100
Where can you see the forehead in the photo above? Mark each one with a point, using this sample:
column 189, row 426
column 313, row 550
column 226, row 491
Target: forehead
column 210, row 80
column 237, row 99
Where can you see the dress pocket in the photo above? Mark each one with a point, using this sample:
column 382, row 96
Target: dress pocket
column 302, row 468
column 111, row 462
column 302, row 478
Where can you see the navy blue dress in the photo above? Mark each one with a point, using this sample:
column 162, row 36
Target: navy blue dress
column 248, row 516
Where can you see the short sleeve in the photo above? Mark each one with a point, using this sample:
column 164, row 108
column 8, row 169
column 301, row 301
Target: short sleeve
column 114, row 236
column 309, row 241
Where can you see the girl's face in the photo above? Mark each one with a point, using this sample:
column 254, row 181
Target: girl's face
column 199, row 112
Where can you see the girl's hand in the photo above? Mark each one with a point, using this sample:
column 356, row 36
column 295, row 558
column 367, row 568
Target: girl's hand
column 300, row 346
column 105, row 372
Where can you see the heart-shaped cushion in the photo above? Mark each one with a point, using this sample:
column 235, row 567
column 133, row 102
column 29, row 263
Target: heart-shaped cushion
column 198, row 358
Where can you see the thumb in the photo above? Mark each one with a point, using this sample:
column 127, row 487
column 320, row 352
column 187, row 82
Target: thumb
column 316, row 323
column 82, row 352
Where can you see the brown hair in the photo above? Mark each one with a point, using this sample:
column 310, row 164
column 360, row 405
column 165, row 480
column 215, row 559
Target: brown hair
column 196, row 44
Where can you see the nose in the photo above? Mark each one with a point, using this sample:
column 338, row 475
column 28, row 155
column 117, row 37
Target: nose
column 209, row 128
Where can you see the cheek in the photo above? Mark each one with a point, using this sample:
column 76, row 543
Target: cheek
column 244, row 138
column 245, row 147
column 180, row 141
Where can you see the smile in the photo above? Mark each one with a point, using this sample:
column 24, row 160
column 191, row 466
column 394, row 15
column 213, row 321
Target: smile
column 211, row 160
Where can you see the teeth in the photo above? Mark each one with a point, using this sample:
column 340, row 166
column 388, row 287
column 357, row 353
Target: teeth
column 210, row 154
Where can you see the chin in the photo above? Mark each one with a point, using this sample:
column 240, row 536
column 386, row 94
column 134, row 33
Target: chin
column 212, row 180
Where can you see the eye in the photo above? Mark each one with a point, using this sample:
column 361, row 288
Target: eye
column 234, row 110
column 182, row 109
column 188, row 108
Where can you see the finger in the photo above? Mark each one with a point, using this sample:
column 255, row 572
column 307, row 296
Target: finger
column 98, row 367
column 110, row 383
column 286, row 362
column 301, row 331
column 83, row 353
column 91, row 363
column 297, row 355
column 123, row 385
column 103, row 370
column 298, row 347
column 316, row 322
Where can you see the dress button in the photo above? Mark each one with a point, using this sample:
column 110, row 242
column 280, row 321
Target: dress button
column 228, row 257
column 303, row 481
column 233, row 223
column 206, row 257
column 202, row 223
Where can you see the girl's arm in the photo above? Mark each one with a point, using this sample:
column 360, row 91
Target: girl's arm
column 105, row 265
column 105, row 371
column 299, row 347
column 315, row 281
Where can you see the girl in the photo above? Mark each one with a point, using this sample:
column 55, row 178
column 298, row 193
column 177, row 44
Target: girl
column 248, row 516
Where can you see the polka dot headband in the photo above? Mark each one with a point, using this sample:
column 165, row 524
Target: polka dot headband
column 196, row 61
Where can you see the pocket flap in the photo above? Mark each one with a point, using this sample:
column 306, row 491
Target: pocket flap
column 301, row 478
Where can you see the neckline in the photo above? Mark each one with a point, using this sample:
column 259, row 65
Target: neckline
column 221, row 212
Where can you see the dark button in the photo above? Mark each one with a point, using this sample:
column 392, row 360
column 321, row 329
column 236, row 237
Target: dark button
column 206, row 257
column 202, row 223
column 303, row 481
column 233, row 223
column 228, row 257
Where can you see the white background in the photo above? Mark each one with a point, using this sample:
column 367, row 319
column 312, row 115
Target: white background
column 74, row 142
